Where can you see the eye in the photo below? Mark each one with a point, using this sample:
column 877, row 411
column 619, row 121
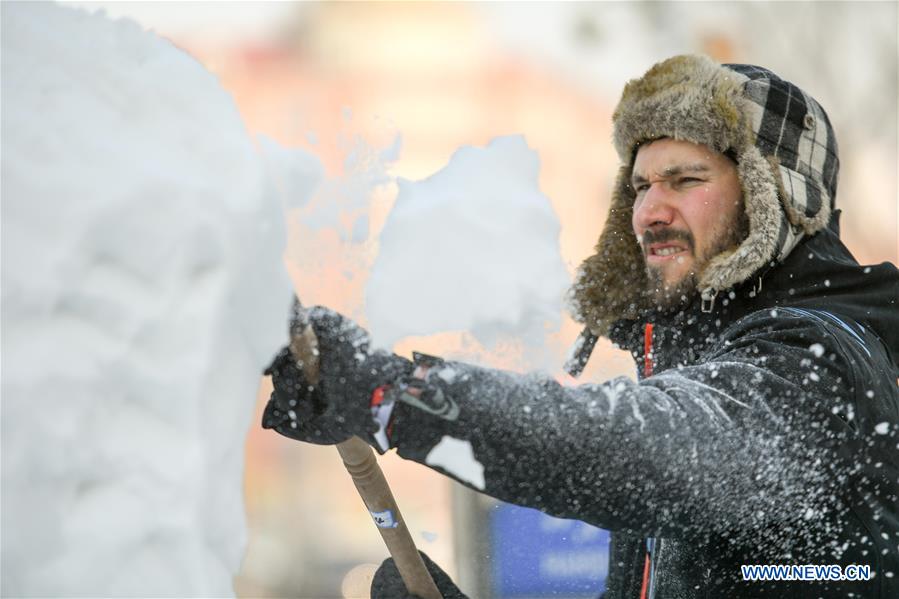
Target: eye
column 641, row 187
column 689, row 180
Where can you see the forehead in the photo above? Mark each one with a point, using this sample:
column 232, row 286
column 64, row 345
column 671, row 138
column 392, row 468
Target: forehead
column 663, row 155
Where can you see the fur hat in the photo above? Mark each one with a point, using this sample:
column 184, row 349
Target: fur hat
column 787, row 163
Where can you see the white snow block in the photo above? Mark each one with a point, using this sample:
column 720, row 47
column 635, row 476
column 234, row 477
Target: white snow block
column 142, row 293
column 474, row 247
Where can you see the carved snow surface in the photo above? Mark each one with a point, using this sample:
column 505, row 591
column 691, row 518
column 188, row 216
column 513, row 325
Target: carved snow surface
column 143, row 293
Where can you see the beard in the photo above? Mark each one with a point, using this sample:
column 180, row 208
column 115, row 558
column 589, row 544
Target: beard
column 671, row 296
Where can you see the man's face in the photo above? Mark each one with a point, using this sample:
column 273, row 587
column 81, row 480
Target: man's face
column 688, row 209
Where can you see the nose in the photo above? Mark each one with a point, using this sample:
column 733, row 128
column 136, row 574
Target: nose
column 653, row 208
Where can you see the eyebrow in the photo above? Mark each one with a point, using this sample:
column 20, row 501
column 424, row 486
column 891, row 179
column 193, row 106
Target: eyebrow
column 673, row 171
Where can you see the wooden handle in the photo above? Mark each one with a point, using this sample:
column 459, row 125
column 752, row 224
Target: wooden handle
column 362, row 465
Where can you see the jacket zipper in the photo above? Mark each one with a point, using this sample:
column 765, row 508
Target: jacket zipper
column 648, row 565
column 647, row 350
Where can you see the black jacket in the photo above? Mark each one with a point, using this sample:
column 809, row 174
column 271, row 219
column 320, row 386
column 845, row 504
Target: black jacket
column 768, row 433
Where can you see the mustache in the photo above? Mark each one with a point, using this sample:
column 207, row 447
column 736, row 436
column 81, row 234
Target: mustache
column 663, row 235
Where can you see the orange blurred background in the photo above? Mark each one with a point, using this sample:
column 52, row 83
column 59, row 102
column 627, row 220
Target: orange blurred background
column 312, row 75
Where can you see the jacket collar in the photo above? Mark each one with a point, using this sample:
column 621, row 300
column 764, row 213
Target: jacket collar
column 820, row 274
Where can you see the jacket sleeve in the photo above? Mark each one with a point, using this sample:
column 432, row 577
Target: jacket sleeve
column 749, row 438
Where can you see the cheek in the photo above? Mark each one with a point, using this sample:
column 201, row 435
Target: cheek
column 634, row 226
column 705, row 215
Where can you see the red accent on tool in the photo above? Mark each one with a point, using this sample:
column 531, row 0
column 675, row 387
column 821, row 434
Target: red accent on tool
column 377, row 396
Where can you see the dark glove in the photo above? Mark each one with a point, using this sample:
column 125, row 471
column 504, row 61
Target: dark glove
column 387, row 583
column 338, row 407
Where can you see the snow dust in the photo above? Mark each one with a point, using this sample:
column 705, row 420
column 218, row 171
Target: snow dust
column 474, row 247
column 142, row 293
column 333, row 213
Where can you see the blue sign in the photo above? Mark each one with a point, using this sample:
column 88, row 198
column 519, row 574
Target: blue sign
column 535, row 555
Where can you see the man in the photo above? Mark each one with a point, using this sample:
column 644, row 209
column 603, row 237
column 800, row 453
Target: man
column 765, row 425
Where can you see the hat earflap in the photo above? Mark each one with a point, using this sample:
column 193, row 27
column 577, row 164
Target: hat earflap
column 802, row 196
column 766, row 218
column 611, row 284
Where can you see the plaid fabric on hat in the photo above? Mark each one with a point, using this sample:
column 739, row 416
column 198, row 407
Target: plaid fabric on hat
column 791, row 126
column 788, row 237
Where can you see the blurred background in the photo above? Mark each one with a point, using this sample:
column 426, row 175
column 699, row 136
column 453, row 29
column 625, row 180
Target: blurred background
column 442, row 75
